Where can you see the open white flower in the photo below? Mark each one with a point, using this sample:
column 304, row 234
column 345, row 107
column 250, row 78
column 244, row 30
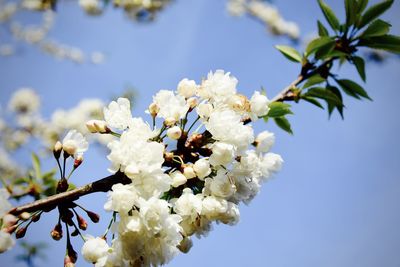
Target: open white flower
column 171, row 106
column 118, row 114
column 94, row 248
column 74, row 143
column 219, row 86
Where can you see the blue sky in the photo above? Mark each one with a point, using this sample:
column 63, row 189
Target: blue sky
column 336, row 201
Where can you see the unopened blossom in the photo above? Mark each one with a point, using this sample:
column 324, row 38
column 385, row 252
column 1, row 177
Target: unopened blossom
column 97, row 126
column 118, row 114
column 24, row 100
column 259, row 104
column 74, row 143
column 174, row 132
column 178, row 178
column 189, row 172
column 187, row 88
column 94, row 248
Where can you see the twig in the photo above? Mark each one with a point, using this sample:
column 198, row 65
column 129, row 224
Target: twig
column 49, row 203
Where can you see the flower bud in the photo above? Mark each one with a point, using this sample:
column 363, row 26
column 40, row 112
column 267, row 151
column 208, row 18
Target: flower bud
column 189, row 172
column 192, row 102
column 36, row 217
column 62, row 185
column 93, row 216
column 71, row 253
column 82, row 223
column 24, row 216
column 185, row 245
column 9, row 220
column 178, row 178
column 174, row 132
column 21, row 232
column 57, row 149
column 11, row 229
column 70, row 147
column 97, row 126
column 57, row 232
column 78, row 161
column 153, row 109
column 169, row 121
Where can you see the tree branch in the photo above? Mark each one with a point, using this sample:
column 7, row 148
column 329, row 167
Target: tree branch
column 49, row 203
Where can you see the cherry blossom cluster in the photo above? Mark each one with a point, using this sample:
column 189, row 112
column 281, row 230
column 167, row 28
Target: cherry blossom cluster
column 194, row 168
column 38, row 34
column 267, row 13
column 140, row 10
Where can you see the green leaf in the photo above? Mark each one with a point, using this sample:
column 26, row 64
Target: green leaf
column 289, row 52
column 322, row 31
column 313, row 80
column 350, row 6
column 362, row 4
column 36, row 165
column 322, row 93
column 325, row 50
column 353, row 89
column 387, row 42
column 278, row 109
column 331, row 107
column 360, row 66
column 373, row 12
column 284, row 124
column 376, row 28
column 329, row 15
column 312, row 100
column 317, row 43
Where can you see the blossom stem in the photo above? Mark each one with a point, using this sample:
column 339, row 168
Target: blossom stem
column 191, row 126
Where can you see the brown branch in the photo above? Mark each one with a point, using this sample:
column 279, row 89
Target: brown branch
column 49, row 203
column 306, row 72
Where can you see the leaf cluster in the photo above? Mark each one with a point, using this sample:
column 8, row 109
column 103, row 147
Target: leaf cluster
column 340, row 43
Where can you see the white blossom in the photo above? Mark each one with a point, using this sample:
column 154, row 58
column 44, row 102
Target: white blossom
column 24, row 100
column 202, row 168
column 6, row 241
column 94, row 249
column 174, row 132
column 187, row 88
column 118, row 114
column 171, row 106
column 218, row 86
column 264, row 141
column 259, row 104
column 74, row 143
